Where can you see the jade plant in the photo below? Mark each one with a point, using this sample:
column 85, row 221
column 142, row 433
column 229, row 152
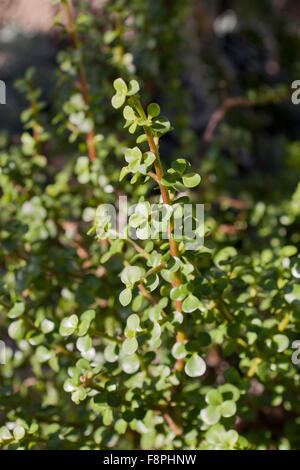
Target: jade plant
column 175, row 329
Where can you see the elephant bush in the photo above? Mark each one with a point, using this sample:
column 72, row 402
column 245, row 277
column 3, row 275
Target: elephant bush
column 143, row 335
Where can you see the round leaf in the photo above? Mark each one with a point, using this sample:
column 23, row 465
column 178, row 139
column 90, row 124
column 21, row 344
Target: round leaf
column 190, row 180
column 195, row 366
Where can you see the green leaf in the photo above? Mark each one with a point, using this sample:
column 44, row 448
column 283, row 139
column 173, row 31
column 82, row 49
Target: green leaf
column 78, row 395
column 134, row 87
column 118, row 100
column 110, row 353
column 281, row 342
column 288, row 250
column 19, row 433
column 120, row 85
column 130, row 364
column 17, row 310
column 228, row 408
column 125, row 297
column 149, row 158
column 161, row 125
column 5, row 434
column 213, row 397
column 295, row 268
column 180, row 165
column 84, row 343
column 128, row 113
column 179, row 293
column 124, row 172
column 42, row 354
column 130, row 275
column 133, row 157
column 169, row 180
column 85, row 321
column 223, row 258
column 133, row 322
column 195, row 366
column 178, row 351
column 47, row 326
column 292, row 294
column 121, row 426
column 190, row 304
column 133, row 127
column 230, row 438
column 16, row 329
column 141, row 138
column 229, row 392
column 215, row 434
column 153, row 110
column 68, row 325
column 190, row 180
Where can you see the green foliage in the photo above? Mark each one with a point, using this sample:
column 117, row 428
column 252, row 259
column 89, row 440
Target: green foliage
column 117, row 342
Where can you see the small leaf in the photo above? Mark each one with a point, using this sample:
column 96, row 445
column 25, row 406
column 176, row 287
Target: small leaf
column 149, row 158
column 42, row 354
column 190, row 180
column 141, row 138
column 161, row 125
column 292, row 294
column 295, row 268
column 210, row 415
column 133, row 322
column 84, row 343
column 228, row 408
column 130, row 275
column 16, row 329
column 230, row 438
column 223, row 258
column 19, row 433
column 85, row 320
column 130, row 364
column 17, row 310
column 118, row 100
column 133, row 88
column 178, row 351
column 129, row 346
column 281, row 342
column 121, row 426
column 180, row 165
column 109, row 353
column 128, row 113
column 190, row 304
column 68, row 325
column 5, row 434
column 120, row 85
column 288, row 250
column 47, row 326
column 153, row 110
column 124, row 172
column 213, row 397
